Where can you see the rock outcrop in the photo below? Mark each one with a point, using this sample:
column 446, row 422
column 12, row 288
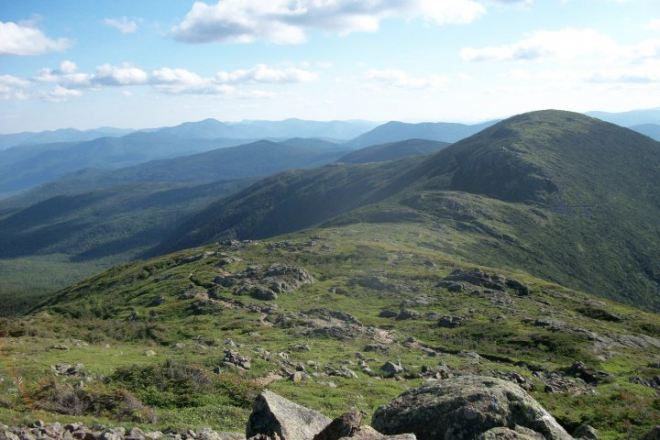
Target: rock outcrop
column 273, row 415
column 465, row 407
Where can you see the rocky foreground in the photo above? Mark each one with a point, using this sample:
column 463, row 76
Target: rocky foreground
column 465, row 407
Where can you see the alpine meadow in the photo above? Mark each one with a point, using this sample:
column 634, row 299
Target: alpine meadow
column 330, row 219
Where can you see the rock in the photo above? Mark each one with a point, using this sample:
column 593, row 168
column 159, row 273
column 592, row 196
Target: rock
column 149, row 353
column 653, row 434
column 407, row 314
column 519, row 433
column 392, row 368
column 587, row 374
column 343, row 426
column 274, row 415
column 450, row 321
column 586, row 432
column 344, row 372
column 157, row 301
column 388, row 313
column 237, row 359
column 378, row 348
column 369, row 433
column 464, row 407
column 263, row 293
column 60, row 347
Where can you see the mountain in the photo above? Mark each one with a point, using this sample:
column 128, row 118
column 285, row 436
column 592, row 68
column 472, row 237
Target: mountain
column 400, row 131
column 561, row 195
column 630, row 118
column 274, row 130
column 650, row 130
column 91, row 220
column 419, row 269
column 250, row 160
column 25, row 167
column 62, row 135
column 393, row 151
column 119, row 221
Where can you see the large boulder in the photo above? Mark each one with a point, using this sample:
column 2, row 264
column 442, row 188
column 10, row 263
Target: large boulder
column 465, row 407
column 274, row 415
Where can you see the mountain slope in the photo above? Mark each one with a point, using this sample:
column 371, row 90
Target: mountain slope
column 322, row 317
column 22, row 168
column 400, row 131
column 393, row 151
column 249, row 160
column 650, row 130
column 565, row 196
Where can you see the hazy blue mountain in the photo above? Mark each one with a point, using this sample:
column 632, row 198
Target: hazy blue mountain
column 25, row 167
column 628, row 119
column 393, row 151
column 399, row 131
column 650, row 130
column 251, row 160
column 273, row 130
column 61, row 135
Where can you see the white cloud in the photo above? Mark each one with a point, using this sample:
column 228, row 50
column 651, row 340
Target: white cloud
column 400, row 79
column 70, row 83
column 563, row 44
column 13, row 88
column 124, row 75
column 178, row 81
column 60, row 94
column 123, row 24
column 653, row 24
column 287, row 22
column 25, row 39
column 264, row 74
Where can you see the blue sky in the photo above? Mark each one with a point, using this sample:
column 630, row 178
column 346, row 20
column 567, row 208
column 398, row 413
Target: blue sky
column 139, row 63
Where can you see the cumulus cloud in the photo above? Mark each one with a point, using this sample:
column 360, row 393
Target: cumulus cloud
column 563, row 44
column 177, row 81
column 123, row 24
column 264, row 74
column 124, row 75
column 287, row 21
column 13, row 88
column 71, row 83
column 60, row 94
column 26, row 39
column 400, row 79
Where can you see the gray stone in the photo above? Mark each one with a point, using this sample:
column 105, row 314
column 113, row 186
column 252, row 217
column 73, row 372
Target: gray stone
column 464, row 407
column 274, row 415
column 519, row 433
column 586, row 432
column 343, row 426
column 392, row 368
column 369, row 433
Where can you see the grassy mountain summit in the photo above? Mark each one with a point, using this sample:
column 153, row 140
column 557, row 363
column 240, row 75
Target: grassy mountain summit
column 565, row 196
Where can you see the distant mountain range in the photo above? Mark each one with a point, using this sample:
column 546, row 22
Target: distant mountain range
column 631, row 118
column 62, row 135
column 399, row 131
column 25, row 167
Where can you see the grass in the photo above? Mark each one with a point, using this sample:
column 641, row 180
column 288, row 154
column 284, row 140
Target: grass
column 111, row 313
